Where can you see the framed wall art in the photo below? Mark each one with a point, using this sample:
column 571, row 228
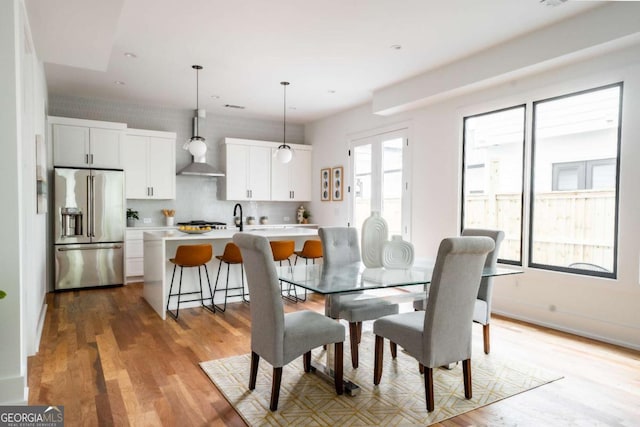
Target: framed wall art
column 337, row 183
column 325, row 184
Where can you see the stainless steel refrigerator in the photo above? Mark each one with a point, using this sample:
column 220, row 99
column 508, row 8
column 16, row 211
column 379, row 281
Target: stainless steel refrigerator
column 89, row 227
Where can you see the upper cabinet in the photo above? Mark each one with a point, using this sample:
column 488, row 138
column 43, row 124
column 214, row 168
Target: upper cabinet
column 252, row 172
column 87, row 143
column 248, row 173
column 150, row 164
column 292, row 181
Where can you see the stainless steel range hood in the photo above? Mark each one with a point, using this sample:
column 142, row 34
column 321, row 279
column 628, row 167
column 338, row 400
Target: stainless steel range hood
column 199, row 165
column 200, row 169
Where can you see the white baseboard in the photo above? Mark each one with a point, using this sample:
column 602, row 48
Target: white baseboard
column 40, row 327
column 561, row 328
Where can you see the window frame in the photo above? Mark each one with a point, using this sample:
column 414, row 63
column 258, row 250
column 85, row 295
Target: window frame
column 585, row 272
column 584, row 169
column 522, row 190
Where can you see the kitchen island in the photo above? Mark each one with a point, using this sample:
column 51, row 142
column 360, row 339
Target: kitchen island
column 159, row 246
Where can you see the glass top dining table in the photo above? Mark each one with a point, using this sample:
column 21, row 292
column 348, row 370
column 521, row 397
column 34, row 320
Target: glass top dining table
column 327, row 280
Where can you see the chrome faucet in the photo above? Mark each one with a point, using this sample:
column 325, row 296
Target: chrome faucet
column 235, row 208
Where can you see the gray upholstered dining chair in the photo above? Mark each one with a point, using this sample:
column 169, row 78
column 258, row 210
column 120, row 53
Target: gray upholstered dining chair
column 441, row 334
column 482, row 310
column 340, row 246
column 277, row 337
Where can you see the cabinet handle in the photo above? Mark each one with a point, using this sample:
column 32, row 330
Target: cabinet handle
column 86, row 158
column 152, row 191
column 91, row 158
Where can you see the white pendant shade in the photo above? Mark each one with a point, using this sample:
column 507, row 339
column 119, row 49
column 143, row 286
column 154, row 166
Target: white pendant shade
column 197, row 148
column 284, row 154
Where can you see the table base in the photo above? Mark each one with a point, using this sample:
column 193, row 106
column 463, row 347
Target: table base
column 327, row 374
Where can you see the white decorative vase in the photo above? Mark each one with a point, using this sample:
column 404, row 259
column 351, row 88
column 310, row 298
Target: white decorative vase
column 168, row 221
column 374, row 235
column 397, row 254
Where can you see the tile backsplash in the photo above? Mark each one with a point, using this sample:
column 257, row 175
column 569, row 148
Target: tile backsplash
column 196, row 197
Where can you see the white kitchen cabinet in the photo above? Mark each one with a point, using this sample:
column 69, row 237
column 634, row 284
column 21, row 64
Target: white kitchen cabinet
column 150, row 164
column 248, row 170
column 86, row 143
column 292, row 181
column 134, row 258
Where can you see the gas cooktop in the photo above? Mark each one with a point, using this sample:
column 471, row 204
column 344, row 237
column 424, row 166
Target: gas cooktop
column 202, row 223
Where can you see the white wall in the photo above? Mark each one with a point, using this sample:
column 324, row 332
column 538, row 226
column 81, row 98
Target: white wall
column 600, row 308
column 22, row 253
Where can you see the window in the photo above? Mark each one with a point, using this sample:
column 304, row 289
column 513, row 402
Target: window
column 574, row 175
column 588, row 174
column 379, row 181
column 493, row 150
column 573, row 187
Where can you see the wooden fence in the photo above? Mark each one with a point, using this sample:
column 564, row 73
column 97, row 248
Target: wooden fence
column 568, row 226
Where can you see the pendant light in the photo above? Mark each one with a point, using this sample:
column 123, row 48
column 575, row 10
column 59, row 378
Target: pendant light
column 284, row 153
column 196, row 144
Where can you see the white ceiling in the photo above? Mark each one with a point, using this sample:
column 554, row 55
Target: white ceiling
column 335, row 53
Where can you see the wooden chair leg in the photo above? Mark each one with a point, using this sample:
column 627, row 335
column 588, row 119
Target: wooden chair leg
column 485, row 336
column 353, row 339
column 306, row 360
column 359, row 324
column 394, row 349
column 428, row 388
column 421, row 368
column 255, row 359
column 337, row 367
column 377, row 364
column 466, row 372
column 275, row 388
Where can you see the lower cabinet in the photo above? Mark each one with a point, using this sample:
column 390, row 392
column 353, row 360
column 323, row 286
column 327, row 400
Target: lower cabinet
column 134, row 253
column 134, row 250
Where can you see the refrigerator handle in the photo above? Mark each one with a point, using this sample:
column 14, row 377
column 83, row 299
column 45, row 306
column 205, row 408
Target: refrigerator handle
column 93, row 207
column 89, row 206
column 90, row 248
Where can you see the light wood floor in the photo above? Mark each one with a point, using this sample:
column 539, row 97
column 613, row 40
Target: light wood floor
column 109, row 359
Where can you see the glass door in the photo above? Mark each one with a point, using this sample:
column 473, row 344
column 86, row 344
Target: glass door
column 380, row 180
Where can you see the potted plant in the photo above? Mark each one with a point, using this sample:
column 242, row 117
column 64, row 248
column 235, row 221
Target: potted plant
column 305, row 216
column 132, row 216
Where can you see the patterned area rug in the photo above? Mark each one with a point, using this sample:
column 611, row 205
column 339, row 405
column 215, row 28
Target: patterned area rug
column 399, row 400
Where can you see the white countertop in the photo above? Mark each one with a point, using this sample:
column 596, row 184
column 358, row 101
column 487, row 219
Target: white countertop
column 288, row 231
column 152, row 227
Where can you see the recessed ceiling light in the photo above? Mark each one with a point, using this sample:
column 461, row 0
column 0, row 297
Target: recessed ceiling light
column 130, row 55
column 331, row 91
column 119, row 82
column 396, row 46
column 293, row 108
column 215, row 96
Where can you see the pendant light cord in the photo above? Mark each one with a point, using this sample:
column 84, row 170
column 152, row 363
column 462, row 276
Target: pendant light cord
column 284, row 114
column 196, row 121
